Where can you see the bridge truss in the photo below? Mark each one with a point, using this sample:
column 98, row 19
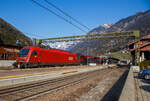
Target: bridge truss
column 112, row 35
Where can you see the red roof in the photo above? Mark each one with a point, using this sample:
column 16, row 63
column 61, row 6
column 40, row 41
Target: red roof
column 143, row 47
column 141, row 42
column 146, row 37
column 146, row 48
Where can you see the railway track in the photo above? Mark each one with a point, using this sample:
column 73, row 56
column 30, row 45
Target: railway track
column 30, row 91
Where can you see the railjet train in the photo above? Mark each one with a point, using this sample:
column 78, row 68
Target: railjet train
column 36, row 56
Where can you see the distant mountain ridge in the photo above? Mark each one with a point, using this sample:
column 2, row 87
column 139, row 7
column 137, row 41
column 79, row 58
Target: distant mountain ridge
column 139, row 21
column 9, row 35
column 68, row 46
column 100, row 29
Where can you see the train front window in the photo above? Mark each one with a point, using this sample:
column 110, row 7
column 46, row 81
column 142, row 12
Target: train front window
column 23, row 52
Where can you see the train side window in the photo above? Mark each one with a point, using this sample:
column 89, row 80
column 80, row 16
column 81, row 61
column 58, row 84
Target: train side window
column 34, row 53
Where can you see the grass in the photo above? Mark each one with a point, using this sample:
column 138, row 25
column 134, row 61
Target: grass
column 121, row 56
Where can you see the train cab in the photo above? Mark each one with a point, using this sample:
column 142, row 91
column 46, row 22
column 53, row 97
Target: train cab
column 36, row 56
column 28, row 56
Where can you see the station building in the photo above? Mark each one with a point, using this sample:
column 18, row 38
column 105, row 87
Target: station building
column 140, row 52
column 9, row 52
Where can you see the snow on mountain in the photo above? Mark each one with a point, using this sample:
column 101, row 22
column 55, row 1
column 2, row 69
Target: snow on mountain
column 100, row 29
column 63, row 45
column 69, row 45
column 107, row 25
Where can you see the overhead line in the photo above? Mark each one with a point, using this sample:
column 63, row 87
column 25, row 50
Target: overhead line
column 57, row 15
column 67, row 14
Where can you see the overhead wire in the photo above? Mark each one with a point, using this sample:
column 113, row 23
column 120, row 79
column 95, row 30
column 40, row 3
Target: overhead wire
column 66, row 14
column 58, row 15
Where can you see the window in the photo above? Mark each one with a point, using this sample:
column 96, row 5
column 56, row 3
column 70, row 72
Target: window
column 23, row 52
column 34, row 53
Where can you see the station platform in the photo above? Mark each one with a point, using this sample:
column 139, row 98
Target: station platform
column 135, row 89
column 6, row 63
column 29, row 75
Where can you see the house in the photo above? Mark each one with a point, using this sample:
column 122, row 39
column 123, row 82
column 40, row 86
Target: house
column 9, row 52
column 140, row 52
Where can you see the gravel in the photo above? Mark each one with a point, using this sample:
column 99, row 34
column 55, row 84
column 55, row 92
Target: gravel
column 91, row 90
column 98, row 92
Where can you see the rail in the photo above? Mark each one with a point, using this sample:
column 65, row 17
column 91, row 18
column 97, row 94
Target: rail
column 31, row 91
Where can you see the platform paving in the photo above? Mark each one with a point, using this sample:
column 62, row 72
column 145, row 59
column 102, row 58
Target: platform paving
column 6, row 62
column 142, row 87
column 17, row 79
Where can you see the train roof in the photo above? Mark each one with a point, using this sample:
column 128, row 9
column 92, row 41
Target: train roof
column 52, row 49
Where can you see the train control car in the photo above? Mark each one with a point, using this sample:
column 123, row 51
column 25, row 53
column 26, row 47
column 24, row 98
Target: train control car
column 36, row 56
column 84, row 59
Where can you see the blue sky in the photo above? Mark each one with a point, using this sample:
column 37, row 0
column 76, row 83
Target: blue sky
column 30, row 18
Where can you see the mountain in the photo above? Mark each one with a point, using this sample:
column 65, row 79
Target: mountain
column 100, row 29
column 139, row 21
column 63, row 45
column 86, row 47
column 70, row 45
column 9, row 35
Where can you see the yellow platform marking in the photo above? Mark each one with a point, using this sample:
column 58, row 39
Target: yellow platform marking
column 15, row 76
column 69, row 72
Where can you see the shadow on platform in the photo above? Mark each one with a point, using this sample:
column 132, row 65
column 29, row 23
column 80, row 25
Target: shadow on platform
column 114, row 93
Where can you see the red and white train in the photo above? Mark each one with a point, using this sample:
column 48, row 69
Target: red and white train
column 36, row 56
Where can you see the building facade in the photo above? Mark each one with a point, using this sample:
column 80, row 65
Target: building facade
column 140, row 52
column 9, row 52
